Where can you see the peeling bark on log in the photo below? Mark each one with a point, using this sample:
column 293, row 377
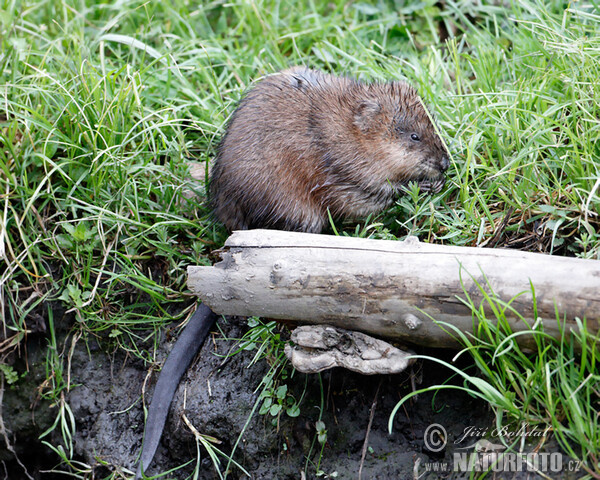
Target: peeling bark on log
column 389, row 288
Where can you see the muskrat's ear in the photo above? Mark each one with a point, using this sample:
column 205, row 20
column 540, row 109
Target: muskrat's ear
column 366, row 114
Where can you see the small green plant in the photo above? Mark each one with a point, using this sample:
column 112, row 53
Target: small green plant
column 321, row 429
column 79, row 239
column 10, row 375
column 265, row 340
column 277, row 401
column 321, row 432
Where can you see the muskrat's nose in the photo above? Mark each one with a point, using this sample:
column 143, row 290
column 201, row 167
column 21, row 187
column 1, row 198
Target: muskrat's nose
column 445, row 163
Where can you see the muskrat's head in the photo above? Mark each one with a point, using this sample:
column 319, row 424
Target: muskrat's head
column 398, row 126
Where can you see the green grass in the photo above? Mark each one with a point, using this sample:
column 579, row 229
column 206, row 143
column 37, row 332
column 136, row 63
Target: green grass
column 103, row 105
column 551, row 386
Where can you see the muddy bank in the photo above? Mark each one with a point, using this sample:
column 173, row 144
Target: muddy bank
column 217, row 397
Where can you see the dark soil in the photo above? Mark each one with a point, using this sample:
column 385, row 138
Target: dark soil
column 217, row 398
column 24, row 416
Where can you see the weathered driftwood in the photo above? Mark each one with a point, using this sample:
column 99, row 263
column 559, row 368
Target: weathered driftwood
column 391, row 289
column 320, row 347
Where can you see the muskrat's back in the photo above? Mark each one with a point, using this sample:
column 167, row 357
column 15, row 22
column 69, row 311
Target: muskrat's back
column 302, row 142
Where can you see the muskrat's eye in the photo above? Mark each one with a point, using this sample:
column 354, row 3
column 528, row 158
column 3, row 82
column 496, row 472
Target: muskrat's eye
column 415, row 137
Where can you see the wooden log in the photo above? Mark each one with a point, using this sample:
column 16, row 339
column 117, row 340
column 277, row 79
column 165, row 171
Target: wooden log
column 391, row 289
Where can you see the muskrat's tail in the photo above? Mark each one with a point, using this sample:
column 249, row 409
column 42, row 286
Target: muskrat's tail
column 184, row 350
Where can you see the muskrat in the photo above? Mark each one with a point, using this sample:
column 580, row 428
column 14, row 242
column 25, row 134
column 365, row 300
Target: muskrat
column 300, row 144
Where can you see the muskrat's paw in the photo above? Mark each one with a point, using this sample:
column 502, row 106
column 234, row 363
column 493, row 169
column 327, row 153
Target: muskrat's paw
column 432, row 186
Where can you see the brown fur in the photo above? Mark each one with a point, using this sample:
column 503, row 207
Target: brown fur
column 302, row 141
